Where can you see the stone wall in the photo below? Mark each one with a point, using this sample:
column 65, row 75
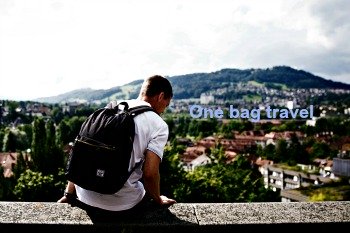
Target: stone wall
column 181, row 217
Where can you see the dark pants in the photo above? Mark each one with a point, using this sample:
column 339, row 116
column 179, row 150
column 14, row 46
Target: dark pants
column 100, row 215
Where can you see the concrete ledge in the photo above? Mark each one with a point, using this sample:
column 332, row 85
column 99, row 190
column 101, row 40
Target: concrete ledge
column 182, row 217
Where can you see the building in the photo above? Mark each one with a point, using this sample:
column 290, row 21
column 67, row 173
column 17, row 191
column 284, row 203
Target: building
column 206, row 99
column 279, row 179
column 8, row 160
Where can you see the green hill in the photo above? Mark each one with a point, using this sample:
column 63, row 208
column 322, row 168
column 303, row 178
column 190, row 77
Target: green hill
column 222, row 82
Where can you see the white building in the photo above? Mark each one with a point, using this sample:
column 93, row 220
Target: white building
column 206, row 99
column 199, row 161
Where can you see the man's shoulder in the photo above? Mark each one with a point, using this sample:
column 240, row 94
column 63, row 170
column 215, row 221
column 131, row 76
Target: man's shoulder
column 150, row 116
column 131, row 103
column 135, row 103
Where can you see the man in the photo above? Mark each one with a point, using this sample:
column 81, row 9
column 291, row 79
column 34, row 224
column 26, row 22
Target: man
column 151, row 135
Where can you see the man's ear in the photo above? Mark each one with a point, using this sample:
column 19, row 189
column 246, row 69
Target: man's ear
column 161, row 96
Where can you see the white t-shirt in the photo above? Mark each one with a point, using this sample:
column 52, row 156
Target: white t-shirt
column 151, row 133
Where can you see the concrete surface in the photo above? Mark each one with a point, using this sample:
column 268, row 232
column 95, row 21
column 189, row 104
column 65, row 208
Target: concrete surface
column 181, row 217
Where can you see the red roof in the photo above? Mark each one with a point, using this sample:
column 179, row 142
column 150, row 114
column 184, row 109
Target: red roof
column 8, row 159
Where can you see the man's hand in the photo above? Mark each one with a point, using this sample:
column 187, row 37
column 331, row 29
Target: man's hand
column 63, row 199
column 166, row 201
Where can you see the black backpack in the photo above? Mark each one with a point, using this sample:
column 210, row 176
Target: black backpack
column 100, row 156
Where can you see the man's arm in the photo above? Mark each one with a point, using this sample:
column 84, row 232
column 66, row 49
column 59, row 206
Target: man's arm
column 68, row 192
column 151, row 179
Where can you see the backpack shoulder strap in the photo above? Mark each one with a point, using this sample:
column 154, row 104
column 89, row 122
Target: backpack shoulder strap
column 140, row 109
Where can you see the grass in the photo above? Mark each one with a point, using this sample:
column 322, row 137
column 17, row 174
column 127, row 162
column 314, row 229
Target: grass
column 255, row 83
column 331, row 192
column 252, row 98
column 285, row 166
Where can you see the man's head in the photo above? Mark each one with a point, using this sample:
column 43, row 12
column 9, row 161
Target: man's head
column 157, row 91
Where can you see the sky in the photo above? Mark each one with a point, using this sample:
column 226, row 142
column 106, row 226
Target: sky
column 50, row 47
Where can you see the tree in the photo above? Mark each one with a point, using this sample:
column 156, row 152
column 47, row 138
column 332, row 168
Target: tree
column 63, row 133
column 202, row 127
column 296, row 152
column 2, row 136
column 21, row 139
column 308, row 130
column 14, row 139
column 281, row 151
column 28, row 130
column 57, row 114
column 39, row 148
column 322, row 125
column 193, row 128
column 270, row 152
column 171, row 125
column 182, row 126
column 232, row 125
column 320, row 150
column 6, row 186
column 74, row 124
column 54, row 154
column 20, row 167
column 9, row 144
column 220, row 182
column 12, row 113
column 247, row 125
column 173, row 177
column 34, row 186
column 215, row 182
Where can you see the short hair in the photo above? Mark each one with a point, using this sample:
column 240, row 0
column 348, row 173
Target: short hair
column 156, row 84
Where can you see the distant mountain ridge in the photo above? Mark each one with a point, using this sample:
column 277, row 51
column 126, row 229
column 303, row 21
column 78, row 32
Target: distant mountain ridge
column 193, row 85
column 84, row 94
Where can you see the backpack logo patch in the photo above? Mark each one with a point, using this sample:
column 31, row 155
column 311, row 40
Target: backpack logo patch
column 100, row 173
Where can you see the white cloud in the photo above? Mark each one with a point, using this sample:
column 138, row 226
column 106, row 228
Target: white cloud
column 51, row 47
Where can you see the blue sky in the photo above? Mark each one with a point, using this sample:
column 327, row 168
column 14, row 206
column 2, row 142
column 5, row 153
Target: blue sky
column 49, row 47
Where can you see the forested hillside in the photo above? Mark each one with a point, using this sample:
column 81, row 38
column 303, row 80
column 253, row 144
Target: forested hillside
column 193, row 85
